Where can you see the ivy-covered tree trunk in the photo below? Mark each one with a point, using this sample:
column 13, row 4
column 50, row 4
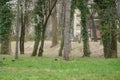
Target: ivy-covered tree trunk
column 37, row 39
column 5, row 46
column 38, row 19
column 113, row 42
column 107, row 13
column 5, row 28
column 84, row 19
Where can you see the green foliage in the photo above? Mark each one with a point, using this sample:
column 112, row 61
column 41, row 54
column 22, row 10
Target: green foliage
column 38, row 18
column 44, row 68
column 73, row 7
column 3, row 2
column 103, row 4
column 108, row 16
column 5, row 26
column 5, row 21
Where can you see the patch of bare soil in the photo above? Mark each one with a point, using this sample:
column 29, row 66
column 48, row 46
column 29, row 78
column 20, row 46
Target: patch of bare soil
column 76, row 49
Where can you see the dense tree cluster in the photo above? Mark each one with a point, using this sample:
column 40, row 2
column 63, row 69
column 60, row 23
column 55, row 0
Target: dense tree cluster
column 6, row 16
column 45, row 10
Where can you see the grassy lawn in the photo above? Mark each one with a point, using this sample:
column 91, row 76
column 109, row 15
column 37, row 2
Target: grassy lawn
column 36, row 68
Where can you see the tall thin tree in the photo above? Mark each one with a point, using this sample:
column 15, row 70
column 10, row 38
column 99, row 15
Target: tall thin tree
column 17, row 29
column 24, row 22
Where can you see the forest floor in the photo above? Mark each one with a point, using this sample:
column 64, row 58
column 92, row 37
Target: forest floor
column 76, row 49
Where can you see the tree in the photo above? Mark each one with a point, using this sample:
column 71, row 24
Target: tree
column 17, row 28
column 38, row 19
column 67, row 41
column 24, row 24
column 6, row 16
column 82, row 6
column 107, row 13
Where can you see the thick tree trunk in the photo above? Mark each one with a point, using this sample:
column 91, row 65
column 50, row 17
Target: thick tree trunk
column 37, row 39
column 5, row 46
column 108, row 27
column 86, row 49
column 113, row 45
column 84, row 19
column 110, row 43
column 67, row 30
column 36, row 45
column 110, row 49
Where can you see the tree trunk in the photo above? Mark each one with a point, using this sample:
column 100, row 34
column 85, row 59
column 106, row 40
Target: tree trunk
column 5, row 46
column 17, row 29
column 67, row 30
column 40, row 53
column 24, row 19
column 22, row 35
column 5, row 28
column 108, row 19
column 114, row 45
column 61, row 25
column 84, row 32
column 62, row 43
column 36, row 45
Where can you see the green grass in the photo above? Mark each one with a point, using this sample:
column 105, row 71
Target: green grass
column 36, row 68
